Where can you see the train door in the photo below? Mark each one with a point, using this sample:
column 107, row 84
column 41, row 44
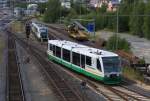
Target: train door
column 88, row 61
column 98, row 65
column 82, row 61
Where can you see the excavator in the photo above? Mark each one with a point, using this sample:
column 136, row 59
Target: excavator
column 77, row 32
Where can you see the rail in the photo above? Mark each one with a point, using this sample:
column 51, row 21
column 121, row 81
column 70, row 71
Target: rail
column 61, row 87
column 15, row 91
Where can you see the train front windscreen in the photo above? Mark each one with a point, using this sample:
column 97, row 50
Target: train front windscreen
column 44, row 33
column 111, row 64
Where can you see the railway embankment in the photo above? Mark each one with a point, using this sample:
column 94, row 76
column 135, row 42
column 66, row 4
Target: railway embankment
column 2, row 45
column 139, row 46
column 3, row 54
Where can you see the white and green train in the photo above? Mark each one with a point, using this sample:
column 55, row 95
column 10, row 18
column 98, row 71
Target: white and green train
column 101, row 65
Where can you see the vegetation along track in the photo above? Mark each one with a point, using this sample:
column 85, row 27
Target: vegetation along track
column 14, row 83
column 65, row 92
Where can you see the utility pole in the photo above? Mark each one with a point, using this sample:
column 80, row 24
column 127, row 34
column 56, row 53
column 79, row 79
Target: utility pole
column 117, row 31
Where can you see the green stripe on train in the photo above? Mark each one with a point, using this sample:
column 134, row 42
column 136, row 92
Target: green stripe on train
column 82, row 71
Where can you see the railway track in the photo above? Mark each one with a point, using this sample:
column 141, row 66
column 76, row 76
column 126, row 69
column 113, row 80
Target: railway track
column 15, row 90
column 115, row 93
column 111, row 93
column 128, row 95
column 62, row 89
column 58, row 34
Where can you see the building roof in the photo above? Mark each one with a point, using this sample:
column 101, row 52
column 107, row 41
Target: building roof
column 85, row 50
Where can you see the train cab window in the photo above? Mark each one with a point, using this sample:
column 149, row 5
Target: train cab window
column 88, row 60
column 66, row 55
column 76, row 58
column 54, row 49
column 83, row 61
column 98, row 65
column 58, row 51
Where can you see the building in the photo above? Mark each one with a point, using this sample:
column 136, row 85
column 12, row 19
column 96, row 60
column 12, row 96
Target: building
column 3, row 3
column 66, row 3
column 111, row 4
column 37, row 1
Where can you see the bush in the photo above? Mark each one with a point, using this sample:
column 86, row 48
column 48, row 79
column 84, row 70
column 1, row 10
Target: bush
column 116, row 43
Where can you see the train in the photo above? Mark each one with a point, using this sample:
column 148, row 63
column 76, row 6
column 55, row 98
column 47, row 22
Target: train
column 40, row 31
column 97, row 64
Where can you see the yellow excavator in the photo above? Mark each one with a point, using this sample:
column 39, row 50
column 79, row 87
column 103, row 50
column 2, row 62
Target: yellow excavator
column 77, row 32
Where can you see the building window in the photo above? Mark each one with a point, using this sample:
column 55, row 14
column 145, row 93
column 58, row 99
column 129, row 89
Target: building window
column 58, row 51
column 66, row 55
column 76, row 58
column 88, row 60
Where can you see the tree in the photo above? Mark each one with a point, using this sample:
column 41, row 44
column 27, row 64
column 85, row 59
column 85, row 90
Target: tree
column 72, row 14
column 42, row 8
column 125, row 8
column 102, row 9
column 79, row 7
column 136, row 21
column 116, row 43
column 146, row 26
column 53, row 11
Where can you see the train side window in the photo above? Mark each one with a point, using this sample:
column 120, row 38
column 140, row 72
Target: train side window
column 54, row 49
column 76, row 58
column 88, row 60
column 66, row 55
column 83, row 61
column 51, row 47
column 98, row 65
column 58, row 51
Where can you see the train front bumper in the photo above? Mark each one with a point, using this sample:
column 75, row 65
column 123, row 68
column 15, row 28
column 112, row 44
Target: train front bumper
column 112, row 80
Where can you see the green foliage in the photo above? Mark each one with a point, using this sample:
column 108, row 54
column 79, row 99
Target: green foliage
column 72, row 14
column 112, row 20
column 142, row 61
column 53, row 11
column 21, row 5
column 136, row 22
column 146, row 26
column 79, row 7
column 116, row 43
column 132, row 74
column 42, row 8
column 125, row 9
column 103, row 9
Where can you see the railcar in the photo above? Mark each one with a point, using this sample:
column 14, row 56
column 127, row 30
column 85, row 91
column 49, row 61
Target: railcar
column 99, row 64
column 40, row 31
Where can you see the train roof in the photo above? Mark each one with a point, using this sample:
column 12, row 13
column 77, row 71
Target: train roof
column 85, row 50
column 39, row 25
